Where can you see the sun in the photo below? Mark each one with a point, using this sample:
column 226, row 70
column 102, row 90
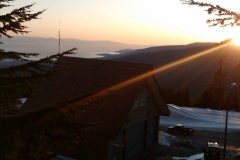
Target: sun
column 236, row 41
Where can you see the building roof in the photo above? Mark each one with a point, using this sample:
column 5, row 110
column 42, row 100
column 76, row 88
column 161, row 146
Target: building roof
column 114, row 85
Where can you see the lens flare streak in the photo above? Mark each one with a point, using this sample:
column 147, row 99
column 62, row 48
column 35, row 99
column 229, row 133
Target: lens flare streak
column 161, row 69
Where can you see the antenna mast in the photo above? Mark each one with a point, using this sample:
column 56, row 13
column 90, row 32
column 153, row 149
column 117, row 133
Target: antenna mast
column 59, row 37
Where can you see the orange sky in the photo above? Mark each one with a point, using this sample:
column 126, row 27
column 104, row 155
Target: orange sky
column 148, row 22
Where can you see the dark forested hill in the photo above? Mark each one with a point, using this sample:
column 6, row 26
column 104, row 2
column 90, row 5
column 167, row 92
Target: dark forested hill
column 195, row 74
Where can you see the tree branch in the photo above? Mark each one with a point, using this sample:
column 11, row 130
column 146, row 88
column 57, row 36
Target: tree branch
column 227, row 17
column 13, row 20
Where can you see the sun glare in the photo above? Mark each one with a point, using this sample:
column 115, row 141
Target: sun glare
column 236, row 41
column 157, row 70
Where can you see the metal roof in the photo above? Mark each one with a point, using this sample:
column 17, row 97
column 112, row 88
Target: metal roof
column 115, row 85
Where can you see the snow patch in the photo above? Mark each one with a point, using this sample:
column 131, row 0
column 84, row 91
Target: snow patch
column 202, row 119
column 175, row 142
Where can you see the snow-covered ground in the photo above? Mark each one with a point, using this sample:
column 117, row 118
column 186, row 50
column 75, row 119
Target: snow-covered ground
column 199, row 119
column 194, row 157
column 175, row 142
column 202, row 119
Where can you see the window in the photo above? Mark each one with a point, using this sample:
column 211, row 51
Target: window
column 143, row 98
column 135, row 105
column 140, row 101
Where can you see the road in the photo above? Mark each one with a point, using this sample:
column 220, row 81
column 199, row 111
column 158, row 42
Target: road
column 233, row 139
column 164, row 152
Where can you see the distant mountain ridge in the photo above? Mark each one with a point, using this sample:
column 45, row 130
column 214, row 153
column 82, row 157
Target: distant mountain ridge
column 196, row 74
column 127, row 52
column 49, row 46
column 172, row 47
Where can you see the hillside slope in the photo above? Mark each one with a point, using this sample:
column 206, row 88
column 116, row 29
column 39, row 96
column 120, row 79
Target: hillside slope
column 195, row 74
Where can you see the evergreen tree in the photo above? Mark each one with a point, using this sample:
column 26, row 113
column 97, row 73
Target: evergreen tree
column 219, row 86
column 17, row 81
column 224, row 18
column 205, row 100
column 32, row 135
column 214, row 96
column 181, row 96
column 167, row 94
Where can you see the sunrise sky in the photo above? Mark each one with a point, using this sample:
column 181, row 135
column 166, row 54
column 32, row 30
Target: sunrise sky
column 147, row 22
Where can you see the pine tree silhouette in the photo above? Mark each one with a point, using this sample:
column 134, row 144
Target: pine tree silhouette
column 17, row 81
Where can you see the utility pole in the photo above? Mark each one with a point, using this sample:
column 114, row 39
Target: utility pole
column 233, row 86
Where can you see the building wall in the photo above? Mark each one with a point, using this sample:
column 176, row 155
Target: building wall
column 140, row 113
column 116, row 147
column 152, row 135
column 136, row 138
column 140, row 129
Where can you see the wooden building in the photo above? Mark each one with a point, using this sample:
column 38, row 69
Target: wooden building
column 129, row 105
